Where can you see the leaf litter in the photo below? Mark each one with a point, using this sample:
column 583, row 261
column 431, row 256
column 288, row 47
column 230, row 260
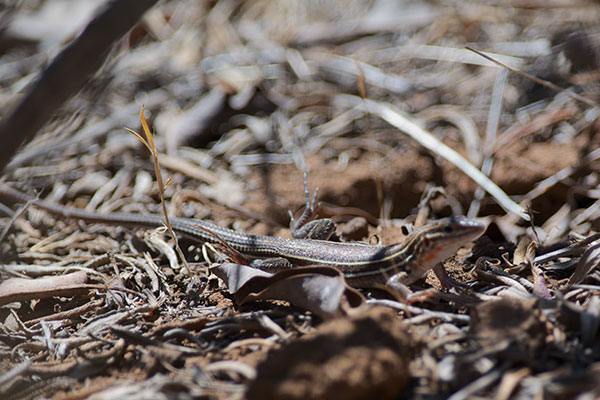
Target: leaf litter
column 245, row 96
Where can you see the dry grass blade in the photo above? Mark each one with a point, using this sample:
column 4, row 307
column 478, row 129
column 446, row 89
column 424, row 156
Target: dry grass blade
column 544, row 185
column 17, row 370
column 490, row 137
column 427, row 140
column 149, row 143
column 467, row 127
column 16, row 215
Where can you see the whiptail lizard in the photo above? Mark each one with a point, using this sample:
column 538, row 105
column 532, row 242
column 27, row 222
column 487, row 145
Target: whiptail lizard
column 362, row 265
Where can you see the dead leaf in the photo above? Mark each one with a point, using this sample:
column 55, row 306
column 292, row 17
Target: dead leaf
column 319, row 289
column 588, row 261
column 540, row 287
column 19, row 289
column 521, row 252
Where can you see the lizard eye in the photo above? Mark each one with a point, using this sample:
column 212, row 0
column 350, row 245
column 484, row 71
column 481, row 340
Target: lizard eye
column 448, row 229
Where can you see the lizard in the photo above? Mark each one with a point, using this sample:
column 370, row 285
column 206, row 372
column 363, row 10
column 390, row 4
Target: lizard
column 363, row 265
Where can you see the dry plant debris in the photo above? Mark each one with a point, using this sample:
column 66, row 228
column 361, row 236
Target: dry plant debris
column 243, row 97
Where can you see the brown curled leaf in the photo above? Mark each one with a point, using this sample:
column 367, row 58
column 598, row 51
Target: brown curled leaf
column 522, row 250
column 319, row 289
column 19, row 289
column 587, row 263
column 540, row 287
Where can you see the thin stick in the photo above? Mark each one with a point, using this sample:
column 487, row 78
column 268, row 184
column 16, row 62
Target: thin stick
column 537, row 80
